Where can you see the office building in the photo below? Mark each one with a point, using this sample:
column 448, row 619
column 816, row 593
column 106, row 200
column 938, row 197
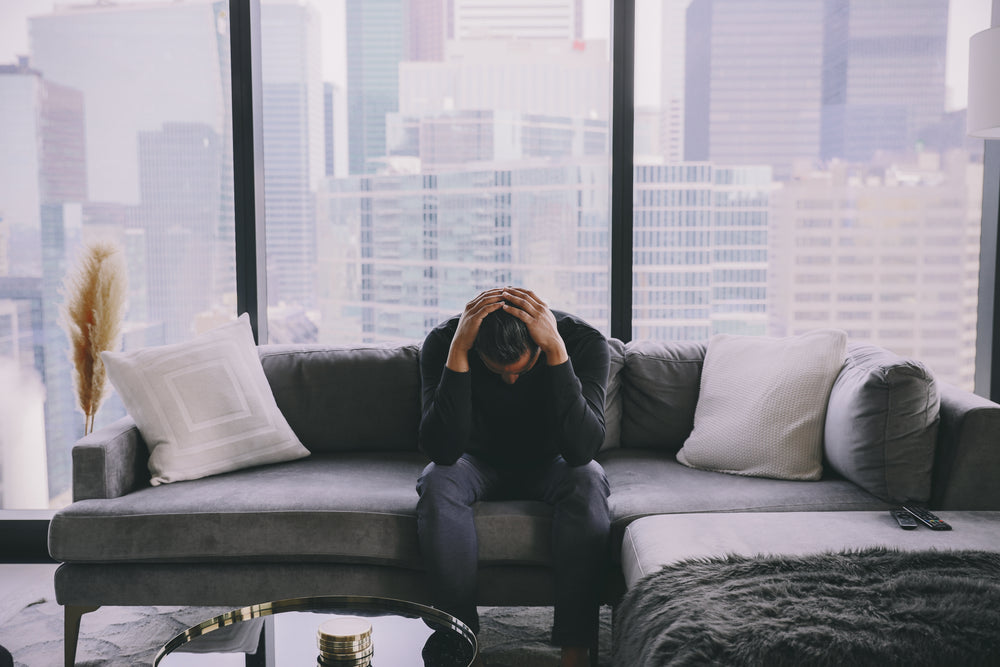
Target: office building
column 375, row 48
column 554, row 78
column 883, row 77
column 890, row 257
column 673, row 29
column 400, row 253
column 294, row 134
column 700, row 234
column 493, row 19
column 752, row 82
column 41, row 190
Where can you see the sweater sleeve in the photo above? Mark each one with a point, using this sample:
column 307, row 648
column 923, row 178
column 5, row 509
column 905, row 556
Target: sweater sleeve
column 578, row 389
column 446, row 419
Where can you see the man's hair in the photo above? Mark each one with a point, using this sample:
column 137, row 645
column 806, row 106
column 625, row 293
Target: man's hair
column 503, row 338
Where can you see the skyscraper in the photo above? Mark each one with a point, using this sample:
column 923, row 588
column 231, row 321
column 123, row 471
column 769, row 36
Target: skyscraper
column 375, row 47
column 672, row 48
column 293, row 128
column 883, row 75
column 752, row 82
column 173, row 61
column 41, row 191
column 787, row 82
column 167, row 55
column 180, row 191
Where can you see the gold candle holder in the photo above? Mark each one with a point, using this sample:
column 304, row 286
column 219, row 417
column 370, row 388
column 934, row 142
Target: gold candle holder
column 345, row 641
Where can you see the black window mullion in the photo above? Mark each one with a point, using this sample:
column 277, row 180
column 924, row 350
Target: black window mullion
column 622, row 141
column 988, row 320
column 248, row 163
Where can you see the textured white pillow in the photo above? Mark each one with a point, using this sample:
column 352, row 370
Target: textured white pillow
column 762, row 405
column 203, row 406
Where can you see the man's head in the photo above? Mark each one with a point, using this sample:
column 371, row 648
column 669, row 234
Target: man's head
column 505, row 346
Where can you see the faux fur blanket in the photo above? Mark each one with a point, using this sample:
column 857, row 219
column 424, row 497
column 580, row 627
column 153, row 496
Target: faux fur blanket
column 869, row 607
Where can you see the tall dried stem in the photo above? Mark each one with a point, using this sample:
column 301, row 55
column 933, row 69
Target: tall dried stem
column 96, row 292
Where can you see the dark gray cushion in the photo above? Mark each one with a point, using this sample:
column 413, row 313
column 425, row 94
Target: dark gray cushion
column 881, row 424
column 660, row 384
column 349, row 507
column 645, row 482
column 347, row 399
column 613, row 398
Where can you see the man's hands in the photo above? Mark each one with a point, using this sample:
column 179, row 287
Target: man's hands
column 468, row 328
column 541, row 323
column 522, row 304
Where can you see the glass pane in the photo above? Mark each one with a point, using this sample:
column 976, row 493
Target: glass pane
column 420, row 151
column 115, row 123
column 803, row 164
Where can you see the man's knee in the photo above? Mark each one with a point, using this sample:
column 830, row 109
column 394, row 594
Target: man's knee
column 444, row 484
column 588, row 480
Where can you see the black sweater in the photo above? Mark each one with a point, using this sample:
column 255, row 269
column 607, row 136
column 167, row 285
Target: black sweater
column 549, row 410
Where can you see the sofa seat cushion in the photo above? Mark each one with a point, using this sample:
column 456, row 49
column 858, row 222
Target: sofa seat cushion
column 338, row 508
column 655, row 541
column 645, row 482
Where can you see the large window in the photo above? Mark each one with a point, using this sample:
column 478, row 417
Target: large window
column 432, row 150
column 796, row 164
column 115, row 125
column 803, row 164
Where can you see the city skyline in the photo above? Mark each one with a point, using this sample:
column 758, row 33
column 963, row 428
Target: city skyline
column 966, row 17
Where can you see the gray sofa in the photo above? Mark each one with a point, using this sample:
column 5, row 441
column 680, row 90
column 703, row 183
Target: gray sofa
column 341, row 521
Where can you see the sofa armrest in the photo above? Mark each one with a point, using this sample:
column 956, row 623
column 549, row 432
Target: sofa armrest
column 967, row 459
column 110, row 462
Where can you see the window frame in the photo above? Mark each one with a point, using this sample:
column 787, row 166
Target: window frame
column 25, row 531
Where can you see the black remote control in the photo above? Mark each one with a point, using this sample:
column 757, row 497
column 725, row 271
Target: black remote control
column 927, row 518
column 904, row 519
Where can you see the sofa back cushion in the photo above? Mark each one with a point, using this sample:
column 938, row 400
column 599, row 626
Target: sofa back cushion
column 347, row 398
column 882, row 423
column 660, row 384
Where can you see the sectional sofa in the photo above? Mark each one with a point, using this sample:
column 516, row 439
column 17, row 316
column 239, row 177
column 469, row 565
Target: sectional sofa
column 341, row 521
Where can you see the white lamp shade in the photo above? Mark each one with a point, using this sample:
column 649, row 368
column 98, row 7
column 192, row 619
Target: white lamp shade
column 983, row 116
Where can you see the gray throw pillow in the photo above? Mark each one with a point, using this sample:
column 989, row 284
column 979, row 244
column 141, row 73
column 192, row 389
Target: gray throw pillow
column 659, row 392
column 881, row 424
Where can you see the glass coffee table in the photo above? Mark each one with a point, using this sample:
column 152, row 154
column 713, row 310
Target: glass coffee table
column 285, row 634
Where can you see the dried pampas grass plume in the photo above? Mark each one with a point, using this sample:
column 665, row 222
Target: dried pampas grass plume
column 95, row 292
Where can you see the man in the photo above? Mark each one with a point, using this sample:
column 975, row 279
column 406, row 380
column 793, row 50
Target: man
column 513, row 407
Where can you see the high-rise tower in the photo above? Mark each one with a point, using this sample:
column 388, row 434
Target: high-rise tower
column 883, row 75
column 752, row 82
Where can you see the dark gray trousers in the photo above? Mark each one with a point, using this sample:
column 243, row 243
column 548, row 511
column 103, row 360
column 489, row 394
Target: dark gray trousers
column 580, row 528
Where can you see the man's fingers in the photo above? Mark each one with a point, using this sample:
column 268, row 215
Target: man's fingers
column 524, row 299
column 490, row 293
column 485, row 298
column 487, row 308
column 518, row 312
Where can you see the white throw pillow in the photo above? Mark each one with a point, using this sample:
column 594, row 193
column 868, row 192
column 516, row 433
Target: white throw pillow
column 203, row 406
column 762, row 405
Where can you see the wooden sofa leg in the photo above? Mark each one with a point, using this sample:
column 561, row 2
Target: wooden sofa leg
column 71, row 633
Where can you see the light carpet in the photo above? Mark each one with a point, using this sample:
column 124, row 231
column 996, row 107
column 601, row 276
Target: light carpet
column 31, row 627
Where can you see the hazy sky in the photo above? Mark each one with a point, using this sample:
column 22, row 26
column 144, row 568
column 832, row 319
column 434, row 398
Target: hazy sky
column 966, row 17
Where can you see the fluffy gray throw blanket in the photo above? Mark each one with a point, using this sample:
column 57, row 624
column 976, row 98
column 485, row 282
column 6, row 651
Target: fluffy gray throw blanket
column 870, row 607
